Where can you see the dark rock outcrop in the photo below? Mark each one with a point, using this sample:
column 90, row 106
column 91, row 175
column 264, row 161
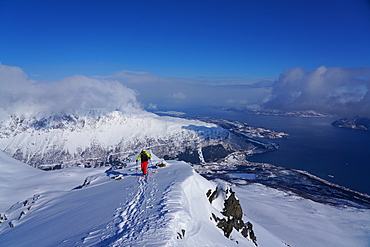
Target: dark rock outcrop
column 232, row 215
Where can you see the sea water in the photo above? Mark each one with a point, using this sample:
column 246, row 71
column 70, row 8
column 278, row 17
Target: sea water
column 338, row 155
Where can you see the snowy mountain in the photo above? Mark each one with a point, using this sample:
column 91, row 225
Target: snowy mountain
column 173, row 206
column 90, row 126
column 96, row 138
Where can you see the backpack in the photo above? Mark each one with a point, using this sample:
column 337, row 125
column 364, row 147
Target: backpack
column 144, row 157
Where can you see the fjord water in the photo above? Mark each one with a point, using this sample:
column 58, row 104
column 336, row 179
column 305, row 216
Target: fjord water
column 338, row 155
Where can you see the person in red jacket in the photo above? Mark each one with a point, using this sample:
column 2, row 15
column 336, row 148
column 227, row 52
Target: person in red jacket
column 144, row 156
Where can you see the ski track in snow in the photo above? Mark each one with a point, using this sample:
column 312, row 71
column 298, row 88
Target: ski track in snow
column 137, row 220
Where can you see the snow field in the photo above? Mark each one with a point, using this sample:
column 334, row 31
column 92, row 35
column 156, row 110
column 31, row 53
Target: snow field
column 302, row 222
column 128, row 210
column 97, row 207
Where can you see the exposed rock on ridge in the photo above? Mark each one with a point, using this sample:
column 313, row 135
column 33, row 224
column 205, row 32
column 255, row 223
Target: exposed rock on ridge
column 232, row 214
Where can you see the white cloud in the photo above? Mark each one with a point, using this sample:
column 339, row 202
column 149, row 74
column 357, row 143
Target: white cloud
column 200, row 91
column 334, row 90
column 22, row 96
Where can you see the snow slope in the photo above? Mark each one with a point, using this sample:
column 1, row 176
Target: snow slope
column 302, row 222
column 97, row 207
column 168, row 208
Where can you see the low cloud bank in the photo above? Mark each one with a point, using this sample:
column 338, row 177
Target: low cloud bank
column 163, row 93
column 22, row 96
column 333, row 90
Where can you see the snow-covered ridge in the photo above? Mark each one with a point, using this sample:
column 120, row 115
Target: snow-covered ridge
column 168, row 208
column 173, row 206
column 93, row 139
column 68, row 140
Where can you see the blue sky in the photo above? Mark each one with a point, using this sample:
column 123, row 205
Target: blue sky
column 253, row 40
column 256, row 39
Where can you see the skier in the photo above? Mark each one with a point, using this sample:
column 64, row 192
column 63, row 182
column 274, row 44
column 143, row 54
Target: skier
column 144, row 156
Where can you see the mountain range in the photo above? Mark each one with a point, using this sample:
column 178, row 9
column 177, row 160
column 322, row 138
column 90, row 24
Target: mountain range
column 99, row 137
